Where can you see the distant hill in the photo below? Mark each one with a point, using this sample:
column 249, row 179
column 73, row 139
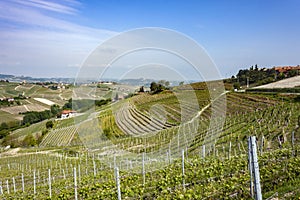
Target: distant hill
column 13, row 78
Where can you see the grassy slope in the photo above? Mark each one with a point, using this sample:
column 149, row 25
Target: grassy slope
column 247, row 114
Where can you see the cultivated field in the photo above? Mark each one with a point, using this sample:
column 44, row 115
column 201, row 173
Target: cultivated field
column 285, row 83
column 166, row 147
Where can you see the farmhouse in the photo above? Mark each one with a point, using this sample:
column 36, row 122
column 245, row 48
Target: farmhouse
column 67, row 114
column 285, row 69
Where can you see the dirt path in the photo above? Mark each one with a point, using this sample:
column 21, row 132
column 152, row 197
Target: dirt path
column 14, row 153
column 26, row 108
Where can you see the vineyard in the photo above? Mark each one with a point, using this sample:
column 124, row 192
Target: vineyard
column 164, row 146
column 61, row 175
column 59, row 137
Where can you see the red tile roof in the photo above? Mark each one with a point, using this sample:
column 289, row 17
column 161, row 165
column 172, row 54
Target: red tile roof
column 68, row 111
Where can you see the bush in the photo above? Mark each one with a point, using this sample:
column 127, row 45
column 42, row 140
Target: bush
column 49, row 124
column 29, row 141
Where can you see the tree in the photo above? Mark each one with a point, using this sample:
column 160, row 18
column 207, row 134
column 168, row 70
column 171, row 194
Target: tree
column 181, row 83
column 236, row 85
column 281, row 76
column 29, row 141
column 156, row 88
column 3, row 133
column 153, row 87
column 4, row 126
column 68, row 105
column 55, row 109
column 292, row 73
column 49, row 124
column 167, row 83
column 10, row 140
column 142, row 89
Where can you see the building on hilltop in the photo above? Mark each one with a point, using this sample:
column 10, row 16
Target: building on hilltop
column 286, row 69
column 67, row 114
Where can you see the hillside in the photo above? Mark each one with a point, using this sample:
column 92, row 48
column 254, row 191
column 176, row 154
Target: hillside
column 144, row 137
column 285, row 83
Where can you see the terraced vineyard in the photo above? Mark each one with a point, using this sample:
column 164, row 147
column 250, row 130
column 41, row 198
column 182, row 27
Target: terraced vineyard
column 59, row 137
column 145, row 136
column 133, row 122
column 34, row 129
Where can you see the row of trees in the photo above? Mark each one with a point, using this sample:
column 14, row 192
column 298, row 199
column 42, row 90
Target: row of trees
column 84, row 104
column 32, row 117
column 256, row 76
column 157, row 87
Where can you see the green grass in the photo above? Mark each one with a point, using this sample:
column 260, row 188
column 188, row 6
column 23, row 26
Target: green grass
column 32, row 129
column 7, row 117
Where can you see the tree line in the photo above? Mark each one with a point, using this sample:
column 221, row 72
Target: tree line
column 258, row 76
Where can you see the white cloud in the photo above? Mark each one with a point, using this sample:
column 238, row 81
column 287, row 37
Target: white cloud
column 35, row 38
column 47, row 5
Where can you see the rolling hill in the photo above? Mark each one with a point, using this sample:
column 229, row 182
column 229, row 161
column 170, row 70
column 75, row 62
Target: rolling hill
column 145, row 135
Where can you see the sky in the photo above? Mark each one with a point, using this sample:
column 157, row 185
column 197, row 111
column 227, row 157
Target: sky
column 53, row 38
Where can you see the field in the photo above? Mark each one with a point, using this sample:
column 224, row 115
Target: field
column 165, row 146
column 286, row 83
column 7, row 117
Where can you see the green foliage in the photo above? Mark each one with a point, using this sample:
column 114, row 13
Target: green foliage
column 256, row 76
column 3, row 126
column 49, row 124
column 3, row 133
column 292, row 73
column 84, row 104
column 236, row 85
column 156, row 87
column 29, row 141
column 102, row 102
column 10, row 140
column 55, row 109
column 68, row 105
column 34, row 117
column 141, row 89
column 275, row 90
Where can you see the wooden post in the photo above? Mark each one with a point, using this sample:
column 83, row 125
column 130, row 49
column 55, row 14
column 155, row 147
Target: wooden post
column 229, row 150
column 7, row 186
column 182, row 165
column 94, row 165
column 64, row 174
column 14, row 184
column 1, row 190
column 167, row 157
column 118, row 183
column 75, row 184
column 143, row 169
column 293, row 143
column 23, row 185
column 49, row 183
column 79, row 174
column 262, row 145
column 34, row 183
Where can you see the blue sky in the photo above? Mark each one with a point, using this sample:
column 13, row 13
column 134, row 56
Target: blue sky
column 52, row 38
